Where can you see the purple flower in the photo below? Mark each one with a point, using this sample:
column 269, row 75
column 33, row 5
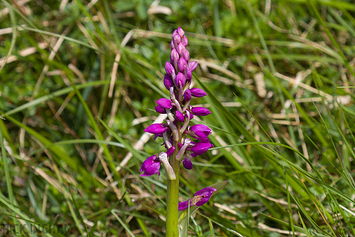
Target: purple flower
column 168, row 82
column 197, row 92
column 186, row 55
column 187, row 95
column 156, row 128
column 200, row 198
column 201, row 147
column 180, row 79
column 180, row 49
column 180, row 31
column 184, row 41
column 165, row 103
column 170, row 151
column 174, row 57
column 187, row 163
column 182, row 65
column 177, row 39
column 192, row 65
column 179, row 116
column 201, row 130
column 159, row 109
column 200, row 111
column 169, row 69
column 150, row 166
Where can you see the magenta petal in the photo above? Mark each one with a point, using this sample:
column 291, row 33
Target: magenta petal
column 187, row 95
column 172, row 46
column 165, row 103
column 181, row 49
column 186, row 55
column 180, row 79
column 148, row 162
column 159, row 109
column 201, row 147
column 156, row 128
column 182, row 65
column 169, row 68
column 184, row 205
column 174, row 56
column 184, row 41
column 205, row 191
column 187, row 164
column 180, row 31
column 200, row 111
column 197, row 92
column 170, row 151
column 201, row 130
column 179, row 116
column 150, row 166
column 168, row 82
column 192, row 65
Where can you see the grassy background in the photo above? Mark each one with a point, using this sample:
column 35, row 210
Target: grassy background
column 79, row 81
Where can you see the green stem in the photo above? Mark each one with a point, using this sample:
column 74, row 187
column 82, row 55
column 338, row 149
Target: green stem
column 172, row 201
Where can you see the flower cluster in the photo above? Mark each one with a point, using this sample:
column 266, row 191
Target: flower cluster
column 181, row 140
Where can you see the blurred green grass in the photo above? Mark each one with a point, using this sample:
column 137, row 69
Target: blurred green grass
column 79, row 80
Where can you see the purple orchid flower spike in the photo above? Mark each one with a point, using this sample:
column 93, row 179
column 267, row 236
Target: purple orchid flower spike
column 200, row 198
column 181, row 140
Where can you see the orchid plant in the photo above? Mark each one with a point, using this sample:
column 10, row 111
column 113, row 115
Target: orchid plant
column 182, row 141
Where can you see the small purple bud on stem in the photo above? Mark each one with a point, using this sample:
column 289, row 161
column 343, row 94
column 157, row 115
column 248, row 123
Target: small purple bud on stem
column 184, row 41
column 182, row 65
column 168, row 82
column 179, row 116
column 180, row 80
column 180, row 31
column 160, row 109
column 174, row 57
column 156, row 128
column 170, row 69
column 192, row 65
column 197, row 92
column 164, row 103
column 200, row 111
column 187, row 95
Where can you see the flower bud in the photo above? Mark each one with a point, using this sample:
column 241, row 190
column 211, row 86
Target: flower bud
column 169, row 69
column 160, row 109
column 187, row 95
column 179, row 116
column 180, row 31
column 180, row 49
column 186, row 55
column 177, row 39
column 200, row 111
column 180, row 79
column 188, row 75
column 184, row 41
column 197, row 92
column 172, row 45
column 156, row 128
column 192, row 65
column 168, row 82
column 170, row 151
column 182, row 65
column 165, row 103
column 187, row 163
column 174, row 57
